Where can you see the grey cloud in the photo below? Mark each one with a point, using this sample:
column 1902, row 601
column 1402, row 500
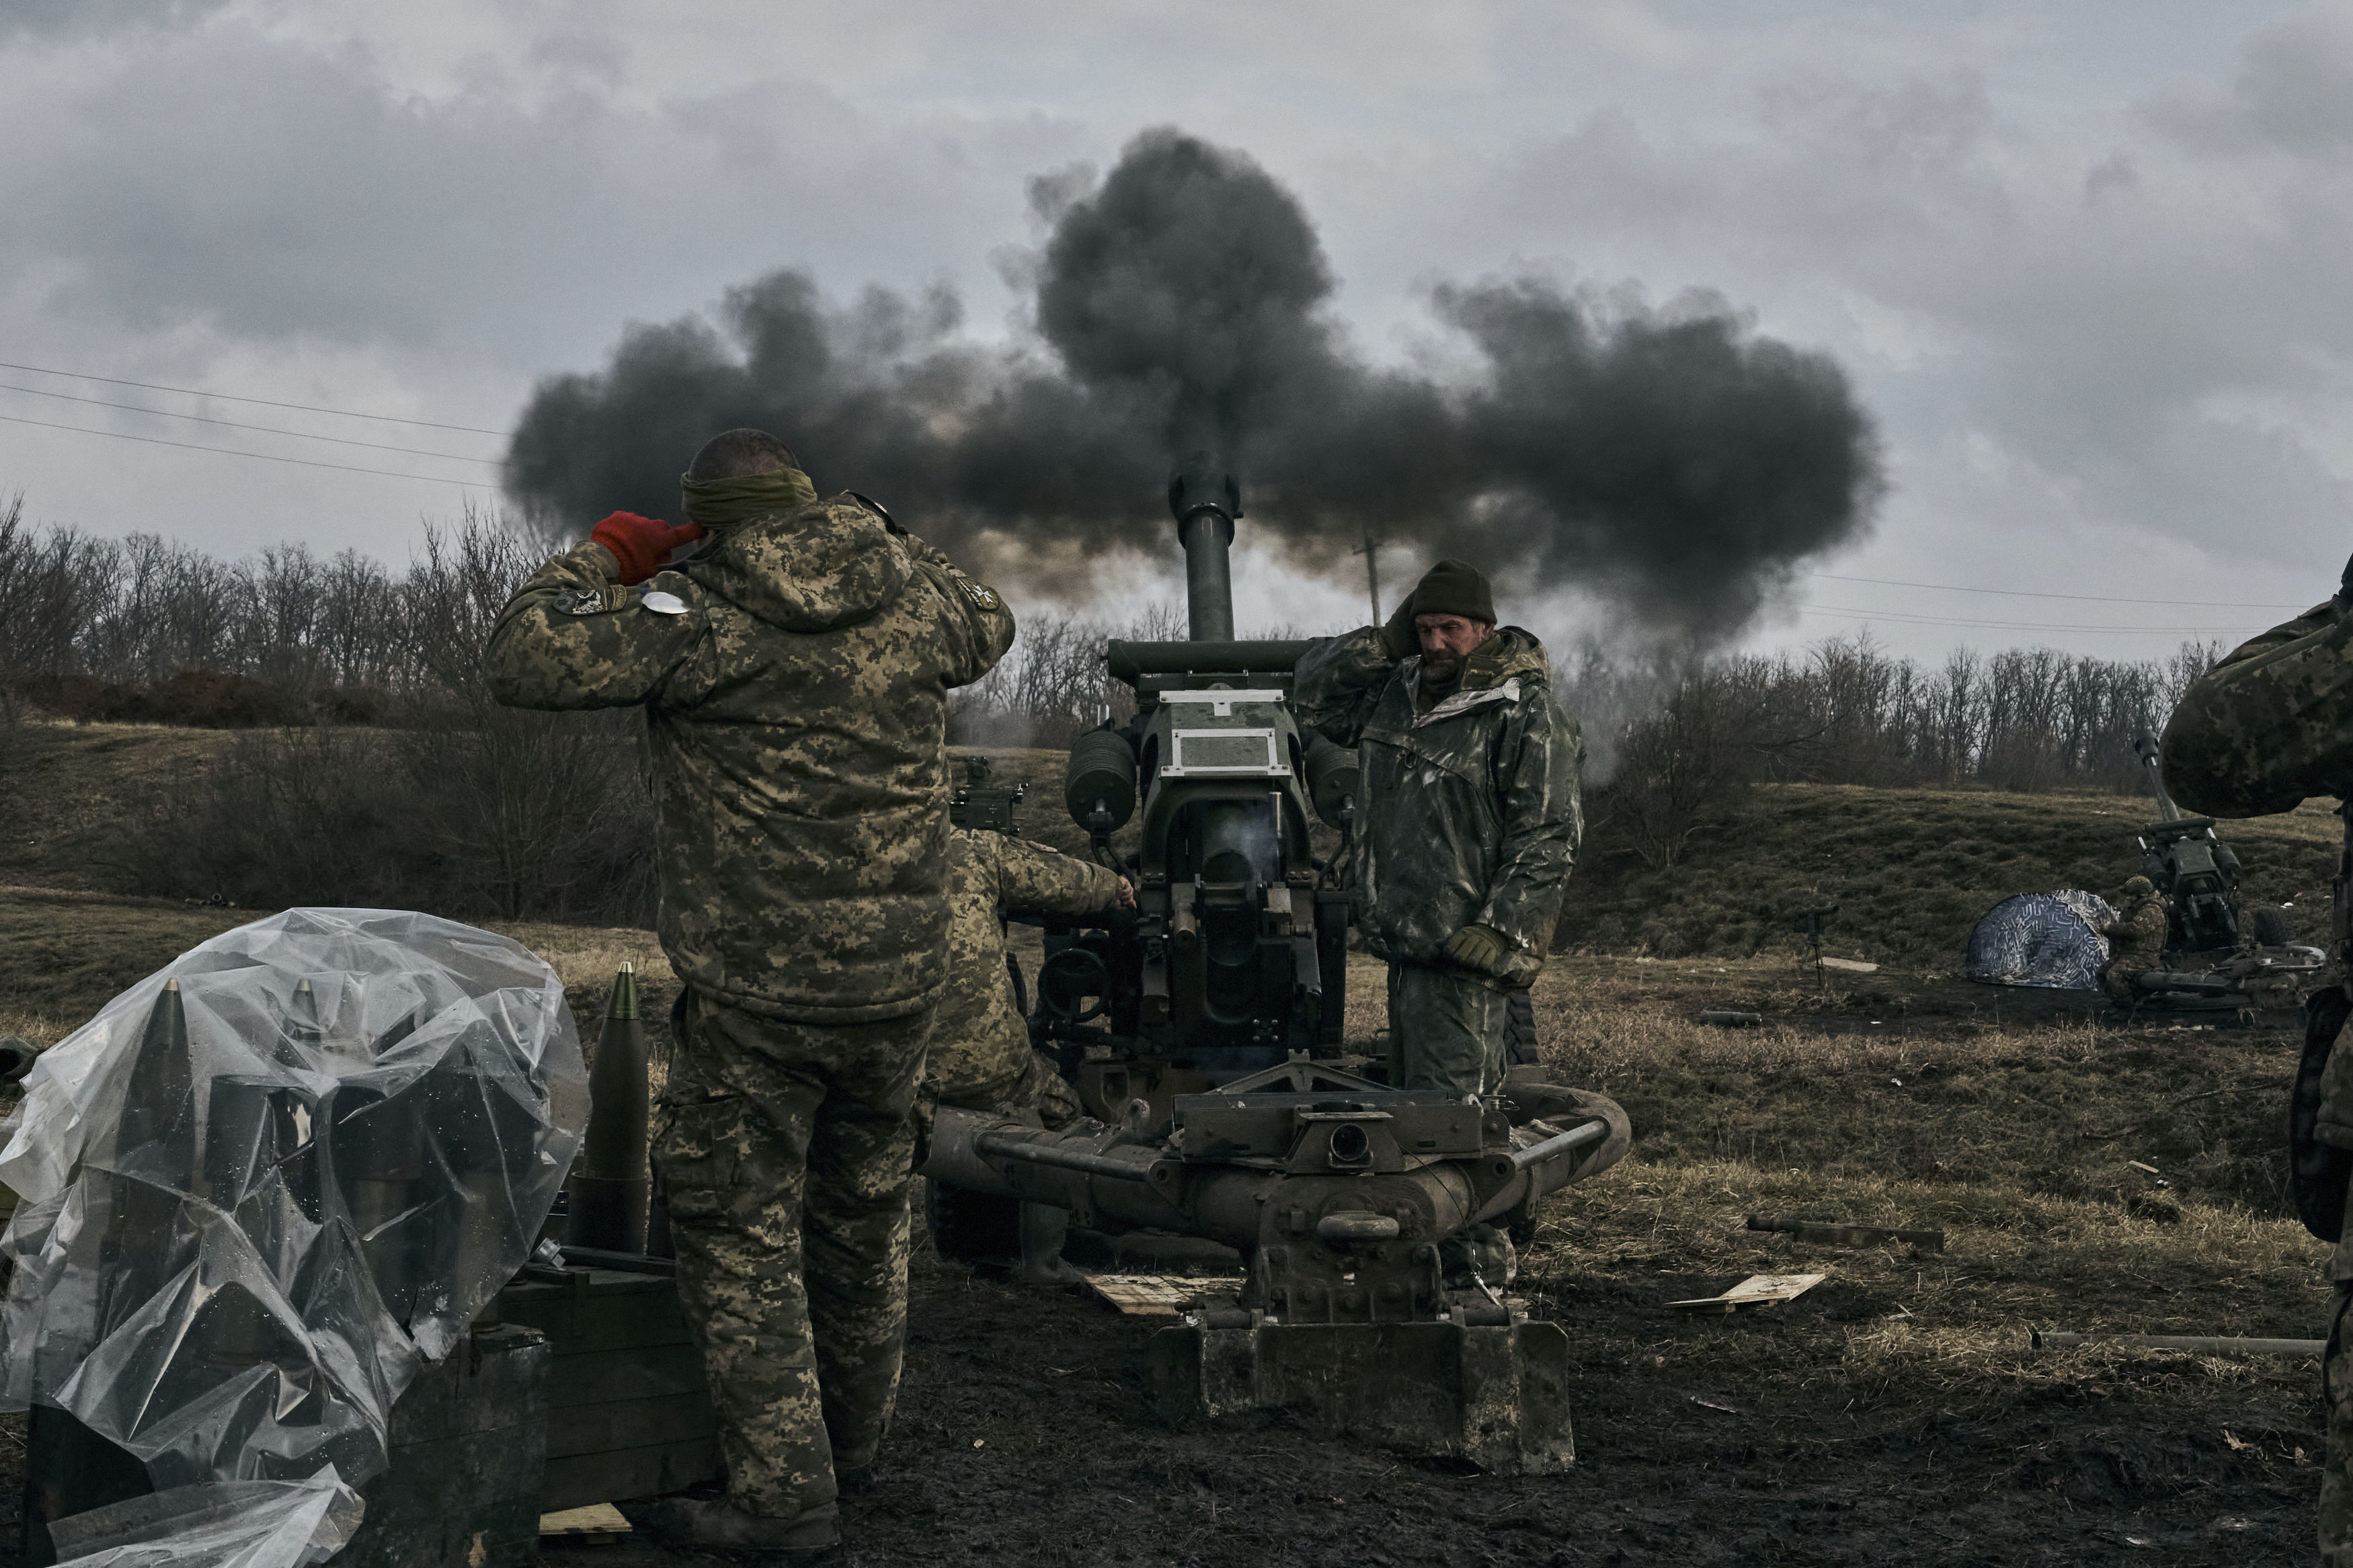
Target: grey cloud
column 76, row 19
column 2130, row 358
column 238, row 182
column 2293, row 92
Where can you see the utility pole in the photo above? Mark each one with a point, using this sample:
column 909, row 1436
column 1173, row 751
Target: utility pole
column 1370, row 551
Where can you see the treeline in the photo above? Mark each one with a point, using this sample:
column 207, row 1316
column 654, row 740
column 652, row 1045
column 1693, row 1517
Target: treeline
column 438, row 798
column 143, row 629
column 377, row 769
column 1675, row 743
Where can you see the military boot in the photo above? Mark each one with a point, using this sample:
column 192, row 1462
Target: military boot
column 715, row 1524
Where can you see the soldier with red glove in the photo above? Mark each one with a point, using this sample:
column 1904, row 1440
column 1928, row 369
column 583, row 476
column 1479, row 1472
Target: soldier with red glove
column 641, row 546
column 794, row 676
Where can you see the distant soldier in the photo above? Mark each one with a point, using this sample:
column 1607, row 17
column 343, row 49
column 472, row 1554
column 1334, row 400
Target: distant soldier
column 2135, row 939
column 795, row 676
column 2268, row 728
column 981, row 1058
column 1470, row 816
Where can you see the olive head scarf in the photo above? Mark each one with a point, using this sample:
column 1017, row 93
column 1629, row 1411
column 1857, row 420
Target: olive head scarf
column 721, row 503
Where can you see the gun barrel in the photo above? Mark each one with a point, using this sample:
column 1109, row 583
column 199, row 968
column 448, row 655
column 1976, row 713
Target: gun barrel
column 1204, row 504
column 1209, row 576
column 2152, row 759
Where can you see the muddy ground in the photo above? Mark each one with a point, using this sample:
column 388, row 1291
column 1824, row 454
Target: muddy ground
column 1894, row 1413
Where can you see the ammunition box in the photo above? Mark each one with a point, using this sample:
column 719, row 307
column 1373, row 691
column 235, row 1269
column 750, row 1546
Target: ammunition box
column 628, row 1412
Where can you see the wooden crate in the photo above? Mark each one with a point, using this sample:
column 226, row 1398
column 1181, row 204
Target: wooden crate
column 628, row 1414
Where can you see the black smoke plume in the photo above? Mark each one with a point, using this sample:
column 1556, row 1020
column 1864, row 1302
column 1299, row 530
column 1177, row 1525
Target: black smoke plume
column 1672, row 462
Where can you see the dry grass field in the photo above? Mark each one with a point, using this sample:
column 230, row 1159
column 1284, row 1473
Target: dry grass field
column 1909, row 870
column 1894, row 1413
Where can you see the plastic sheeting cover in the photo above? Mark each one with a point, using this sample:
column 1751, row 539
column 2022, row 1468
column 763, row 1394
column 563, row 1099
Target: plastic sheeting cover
column 226, row 1524
column 262, row 1183
column 2049, row 940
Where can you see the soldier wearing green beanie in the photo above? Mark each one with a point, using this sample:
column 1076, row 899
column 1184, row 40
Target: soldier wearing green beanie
column 1471, row 815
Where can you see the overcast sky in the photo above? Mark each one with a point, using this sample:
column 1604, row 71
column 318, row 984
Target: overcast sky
column 2086, row 263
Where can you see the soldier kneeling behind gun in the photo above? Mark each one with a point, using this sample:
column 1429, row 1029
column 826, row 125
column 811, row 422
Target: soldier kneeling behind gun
column 2135, row 939
column 980, row 1057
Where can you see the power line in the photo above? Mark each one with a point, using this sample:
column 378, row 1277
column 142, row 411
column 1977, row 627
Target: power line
column 2087, row 598
column 236, row 425
column 1902, row 617
column 264, row 401
column 233, row 452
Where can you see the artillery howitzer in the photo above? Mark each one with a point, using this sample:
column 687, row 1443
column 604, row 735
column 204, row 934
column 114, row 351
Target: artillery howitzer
column 2211, row 956
column 1202, row 1032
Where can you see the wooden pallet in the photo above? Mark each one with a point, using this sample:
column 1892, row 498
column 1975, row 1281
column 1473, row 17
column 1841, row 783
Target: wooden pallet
column 598, row 1524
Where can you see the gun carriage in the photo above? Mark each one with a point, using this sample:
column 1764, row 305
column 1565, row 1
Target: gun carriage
column 1202, row 1031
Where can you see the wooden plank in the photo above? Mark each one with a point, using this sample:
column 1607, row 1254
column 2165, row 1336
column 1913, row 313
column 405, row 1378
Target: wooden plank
column 625, row 1473
column 1846, row 1235
column 598, row 1524
column 1754, row 1290
column 1853, row 966
column 605, row 1309
column 629, row 1423
column 599, row 1377
column 2196, row 1344
column 1154, row 1295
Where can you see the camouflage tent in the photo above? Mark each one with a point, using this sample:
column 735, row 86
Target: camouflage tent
column 2046, row 940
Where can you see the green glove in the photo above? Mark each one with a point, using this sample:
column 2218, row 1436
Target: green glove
column 1479, row 948
column 1399, row 639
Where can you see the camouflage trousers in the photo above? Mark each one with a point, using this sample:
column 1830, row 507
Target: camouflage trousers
column 1446, row 1030
column 2118, row 981
column 2336, row 1468
column 1030, row 1087
column 786, row 1152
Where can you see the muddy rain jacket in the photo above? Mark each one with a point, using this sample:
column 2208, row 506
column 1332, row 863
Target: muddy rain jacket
column 1471, row 810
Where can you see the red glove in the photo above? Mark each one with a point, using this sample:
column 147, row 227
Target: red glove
column 642, row 543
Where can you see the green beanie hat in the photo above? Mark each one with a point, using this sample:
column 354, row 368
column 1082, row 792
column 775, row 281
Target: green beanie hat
column 1454, row 588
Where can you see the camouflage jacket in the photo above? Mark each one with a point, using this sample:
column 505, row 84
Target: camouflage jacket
column 796, row 697
column 2266, row 728
column 1471, row 814
column 979, row 1042
column 2139, row 945
column 2272, row 725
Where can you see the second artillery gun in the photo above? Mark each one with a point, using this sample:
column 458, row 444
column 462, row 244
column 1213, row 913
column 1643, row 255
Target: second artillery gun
column 1203, row 1033
column 2214, row 957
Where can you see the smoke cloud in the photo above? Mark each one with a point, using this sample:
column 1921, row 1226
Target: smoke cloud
column 1672, row 462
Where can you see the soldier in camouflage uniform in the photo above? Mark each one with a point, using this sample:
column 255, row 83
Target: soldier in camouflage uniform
column 1470, row 816
column 981, row 1058
column 794, row 676
column 2135, row 939
column 2268, row 728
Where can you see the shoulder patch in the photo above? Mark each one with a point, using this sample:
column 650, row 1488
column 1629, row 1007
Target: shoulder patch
column 591, row 601
column 980, row 593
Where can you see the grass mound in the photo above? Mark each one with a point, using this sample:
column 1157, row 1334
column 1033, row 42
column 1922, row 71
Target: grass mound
column 1911, row 870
